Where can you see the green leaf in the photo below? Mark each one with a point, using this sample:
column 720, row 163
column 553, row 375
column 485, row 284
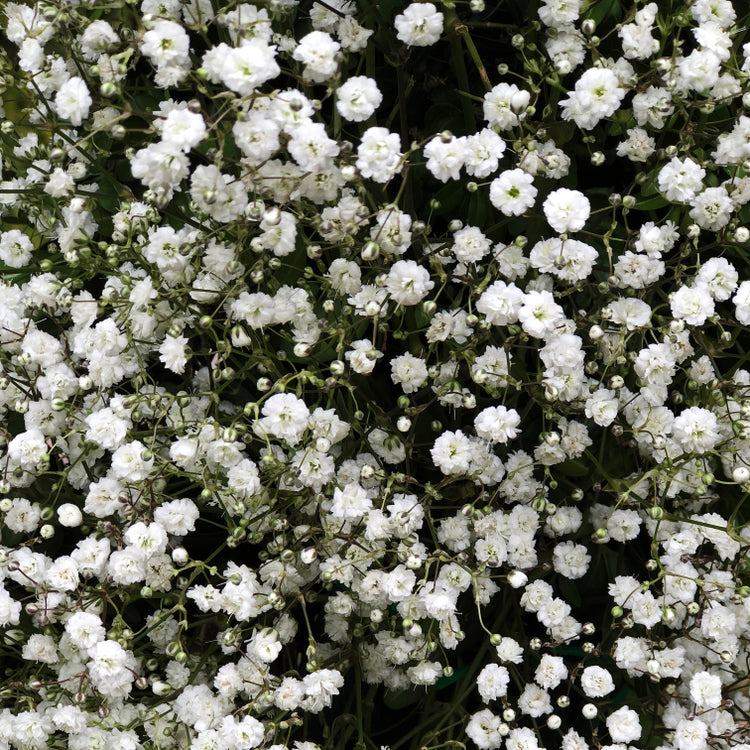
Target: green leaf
column 570, row 591
column 444, row 682
column 652, row 203
column 606, row 9
column 573, row 468
column 480, row 210
column 399, row 699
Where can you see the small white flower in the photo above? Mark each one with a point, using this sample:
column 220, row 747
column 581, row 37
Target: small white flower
column 566, row 210
column 69, row 515
column 513, row 192
column 596, row 682
column 73, row 101
column 623, row 725
column 705, row 690
column 497, row 424
column 696, row 430
column 420, row 25
column 408, row 283
column 358, row 98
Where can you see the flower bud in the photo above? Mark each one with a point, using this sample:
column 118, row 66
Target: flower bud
column 517, row 579
column 69, row 515
column 589, row 711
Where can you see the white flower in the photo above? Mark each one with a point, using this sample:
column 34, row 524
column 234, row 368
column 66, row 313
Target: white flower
column 550, row 672
column 596, row 682
column 10, row 609
column 284, row 416
column 719, row 277
column 352, row 35
column 111, row 668
column 408, row 283
column 571, row 560
column 146, row 540
column 40, row 648
column 73, row 101
column 513, row 192
column 483, row 730
column 311, row 147
column 623, row 525
column 290, row 694
column 638, row 146
column 132, row 462
column 559, row 13
column 59, row 184
column 503, row 104
column 265, row 646
column 696, row 430
column 509, row 650
column 630, row 312
column 409, row 372
column 399, row 584
column 85, row 629
column 320, row 687
column 501, row 302
column 597, row 95
column 741, row 301
column 497, row 424
column 379, row 154
column 173, row 353
column 243, row 69
column 705, row 690
column 27, row 449
column 602, row 406
column 317, row 51
column 23, row 517
column 219, row 195
column 358, row 98
column 637, row 42
column 178, row 516
column 420, row 25
column 166, row 43
column 566, row 210
column 445, row 157
column 452, row 452
column 522, row 738
column 534, row 701
column 540, row 314
column 425, row 673
column 623, row 725
column 655, row 364
column 492, row 682
column 97, row 38
column 569, row 260
column 15, row 248
column 257, row 136
column 183, row 129
column 698, row 71
column 681, row 180
column 362, row 357
column 42, row 348
column 69, row 515
column 345, row 276
column 483, row 152
column 691, row 734
column 712, row 209
column 470, row 245
column 160, row 167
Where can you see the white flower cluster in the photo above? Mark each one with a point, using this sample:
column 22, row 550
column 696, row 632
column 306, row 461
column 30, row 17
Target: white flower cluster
column 351, row 360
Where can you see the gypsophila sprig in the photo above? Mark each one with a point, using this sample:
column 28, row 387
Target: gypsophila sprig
column 374, row 375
